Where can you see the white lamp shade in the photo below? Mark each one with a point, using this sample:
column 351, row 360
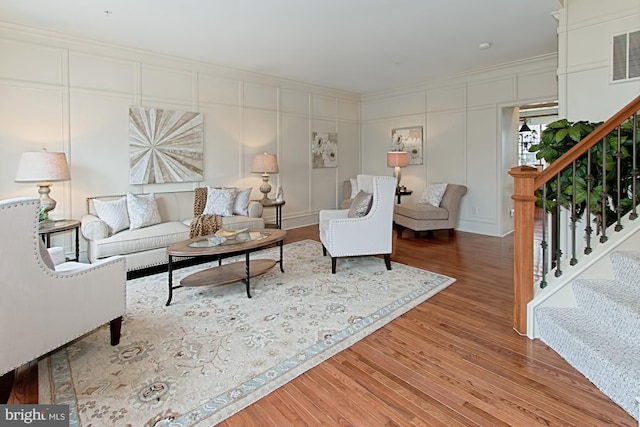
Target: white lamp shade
column 42, row 166
column 265, row 163
column 397, row 159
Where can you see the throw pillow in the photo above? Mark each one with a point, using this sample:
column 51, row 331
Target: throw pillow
column 241, row 203
column 433, row 194
column 354, row 187
column 220, row 201
column 361, row 205
column 114, row 213
column 143, row 210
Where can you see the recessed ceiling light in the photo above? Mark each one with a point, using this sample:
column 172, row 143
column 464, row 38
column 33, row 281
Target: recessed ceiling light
column 484, row 46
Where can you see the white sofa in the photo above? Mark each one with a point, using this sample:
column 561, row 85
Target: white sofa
column 147, row 247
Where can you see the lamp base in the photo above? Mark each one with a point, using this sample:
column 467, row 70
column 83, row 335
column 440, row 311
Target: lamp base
column 47, row 204
column 265, row 188
column 397, row 174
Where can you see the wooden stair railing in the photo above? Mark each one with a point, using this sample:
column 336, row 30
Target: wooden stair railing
column 526, row 181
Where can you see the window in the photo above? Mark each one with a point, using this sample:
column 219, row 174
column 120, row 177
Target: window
column 625, row 56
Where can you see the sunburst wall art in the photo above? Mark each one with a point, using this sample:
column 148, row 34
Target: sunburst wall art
column 410, row 140
column 324, row 150
column 165, row 146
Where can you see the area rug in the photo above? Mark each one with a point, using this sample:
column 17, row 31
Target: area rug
column 214, row 351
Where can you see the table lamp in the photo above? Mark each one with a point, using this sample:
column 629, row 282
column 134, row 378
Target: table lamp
column 397, row 160
column 44, row 168
column 265, row 164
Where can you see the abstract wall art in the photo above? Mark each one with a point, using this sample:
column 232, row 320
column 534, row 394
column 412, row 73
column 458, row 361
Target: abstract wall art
column 165, row 146
column 324, row 149
column 408, row 139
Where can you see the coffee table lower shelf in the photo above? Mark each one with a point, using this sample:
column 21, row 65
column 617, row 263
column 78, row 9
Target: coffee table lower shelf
column 228, row 273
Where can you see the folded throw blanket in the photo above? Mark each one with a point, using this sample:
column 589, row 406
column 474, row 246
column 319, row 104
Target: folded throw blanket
column 201, row 225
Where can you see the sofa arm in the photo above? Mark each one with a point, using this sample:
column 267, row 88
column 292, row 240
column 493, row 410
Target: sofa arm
column 93, row 228
column 254, row 209
column 57, row 255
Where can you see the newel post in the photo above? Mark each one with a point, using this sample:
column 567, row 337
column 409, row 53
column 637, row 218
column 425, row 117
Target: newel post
column 524, row 204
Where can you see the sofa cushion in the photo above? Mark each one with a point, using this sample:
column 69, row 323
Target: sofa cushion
column 421, row 211
column 360, row 205
column 433, row 194
column 220, row 201
column 114, row 213
column 241, row 203
column 143, row 210
column 142, row 239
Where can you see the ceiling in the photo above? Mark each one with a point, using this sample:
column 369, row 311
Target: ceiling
column 361, row 46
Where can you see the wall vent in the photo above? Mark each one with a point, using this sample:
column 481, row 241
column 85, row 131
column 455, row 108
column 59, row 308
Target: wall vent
column 625, row 63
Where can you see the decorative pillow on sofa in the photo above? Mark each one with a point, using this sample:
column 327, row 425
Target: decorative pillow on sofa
column 220, row 201
column 361, row 205
column 241, row 203
column 433, row 194
column 114, row 213
column 143, row 210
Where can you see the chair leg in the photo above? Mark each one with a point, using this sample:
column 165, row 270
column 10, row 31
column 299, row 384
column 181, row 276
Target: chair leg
column 324, row 251
column 387, row 261
column 115, row 327
column 333, row 264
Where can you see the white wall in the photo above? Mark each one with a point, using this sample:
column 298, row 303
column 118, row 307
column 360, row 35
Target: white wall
column 73, row 95
column 585, row 32
column 464, row 119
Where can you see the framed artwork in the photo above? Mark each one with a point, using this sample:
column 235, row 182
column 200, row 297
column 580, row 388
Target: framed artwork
column 324, row 150
column 408, row 139
column 165, row 146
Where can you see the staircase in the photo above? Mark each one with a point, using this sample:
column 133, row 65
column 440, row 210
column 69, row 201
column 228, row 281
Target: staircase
column 600, row 337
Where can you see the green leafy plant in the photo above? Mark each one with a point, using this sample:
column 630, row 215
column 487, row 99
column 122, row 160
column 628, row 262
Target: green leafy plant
column 43, row 215
column 558, row 138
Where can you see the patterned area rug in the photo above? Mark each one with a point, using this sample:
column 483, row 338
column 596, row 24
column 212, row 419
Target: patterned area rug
column 213, row 351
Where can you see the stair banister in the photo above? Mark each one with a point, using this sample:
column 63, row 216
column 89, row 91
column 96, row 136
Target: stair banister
column 524, row 204
column 526, row 181
column 589, row 141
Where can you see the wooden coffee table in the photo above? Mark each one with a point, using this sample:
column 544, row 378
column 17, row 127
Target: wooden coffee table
column 243, row 243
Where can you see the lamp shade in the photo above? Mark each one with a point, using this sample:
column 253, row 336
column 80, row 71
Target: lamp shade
column 397, row 158
column 42, row 166
column 265, row 163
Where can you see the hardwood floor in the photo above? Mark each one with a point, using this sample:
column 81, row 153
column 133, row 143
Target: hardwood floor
column 452, row 361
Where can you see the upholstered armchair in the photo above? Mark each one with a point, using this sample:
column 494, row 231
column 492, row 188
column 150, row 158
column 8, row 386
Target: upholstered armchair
column 44, row 306
column 345, row 235
column 426, row 217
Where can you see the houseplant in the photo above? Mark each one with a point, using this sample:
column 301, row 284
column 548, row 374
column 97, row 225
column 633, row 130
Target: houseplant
column 558, row 138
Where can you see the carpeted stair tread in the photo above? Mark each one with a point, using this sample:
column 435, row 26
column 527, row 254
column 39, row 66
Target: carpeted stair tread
column 626, row 268
column 611, row 303
column 607, row 359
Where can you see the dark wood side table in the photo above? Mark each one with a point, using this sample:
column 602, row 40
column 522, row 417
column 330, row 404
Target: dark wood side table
column 401, row 193
column 278, row 206
column 59, row 226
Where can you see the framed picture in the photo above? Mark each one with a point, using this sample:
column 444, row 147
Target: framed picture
column 408, row 139
column 324, row 149
column 165, row 146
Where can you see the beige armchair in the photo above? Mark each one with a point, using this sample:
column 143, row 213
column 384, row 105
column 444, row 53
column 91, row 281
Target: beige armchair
column 43, row 306
column 370, row 234
column 424, row 217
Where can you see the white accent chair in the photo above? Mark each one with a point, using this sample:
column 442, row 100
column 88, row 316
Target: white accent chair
column 42, row 308
column 371, row 234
